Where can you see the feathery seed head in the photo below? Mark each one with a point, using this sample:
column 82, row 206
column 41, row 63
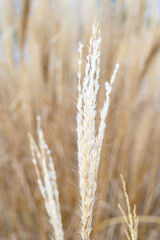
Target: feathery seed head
column 46, row 178
column 89, row 144
column 131, row 218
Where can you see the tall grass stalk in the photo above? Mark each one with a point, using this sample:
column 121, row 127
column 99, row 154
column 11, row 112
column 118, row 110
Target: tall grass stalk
column 46, row 176
column 89, row 143
column 131, row 218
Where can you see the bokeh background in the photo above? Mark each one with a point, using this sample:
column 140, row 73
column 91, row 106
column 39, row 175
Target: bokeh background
column 38, row 76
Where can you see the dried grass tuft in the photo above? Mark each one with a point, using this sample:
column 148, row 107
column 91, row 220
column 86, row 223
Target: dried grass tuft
column 131, row 218
column 46, row 178
column 89, row 143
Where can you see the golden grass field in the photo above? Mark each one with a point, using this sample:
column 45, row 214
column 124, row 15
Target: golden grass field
column 38, row 76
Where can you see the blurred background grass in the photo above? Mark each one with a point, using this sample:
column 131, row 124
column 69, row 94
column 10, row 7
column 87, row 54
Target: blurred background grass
column 38, row 66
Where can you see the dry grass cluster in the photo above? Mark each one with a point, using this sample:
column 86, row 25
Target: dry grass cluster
column 38, row 76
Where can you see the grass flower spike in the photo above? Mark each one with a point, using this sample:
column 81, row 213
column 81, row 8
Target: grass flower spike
column 46, row 175
column 131, row 219
column 89, row 143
